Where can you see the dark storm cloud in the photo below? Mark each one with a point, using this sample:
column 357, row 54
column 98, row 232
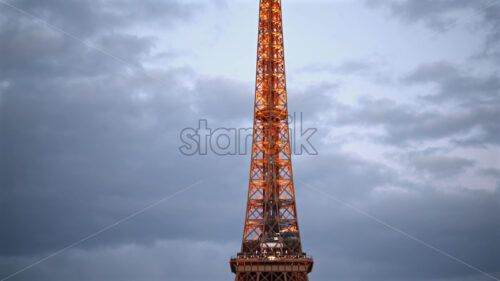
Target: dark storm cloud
column 30, row 47
column 85, row 140
column 350, row 246
column 83, row 19
column 354, row 247
column 164, row 260
column 34, row 52
column 80, row 141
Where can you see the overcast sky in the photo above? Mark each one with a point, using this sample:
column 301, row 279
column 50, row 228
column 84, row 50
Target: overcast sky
column 405, row 96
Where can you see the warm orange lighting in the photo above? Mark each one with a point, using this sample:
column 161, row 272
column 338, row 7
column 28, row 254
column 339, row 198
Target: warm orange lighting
column 271, row 247
column 271, row 167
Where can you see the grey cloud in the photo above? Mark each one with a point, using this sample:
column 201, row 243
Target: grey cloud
column 456, row 85
column 433, row 72
column 474, row 101
column 357, row 67
column 84, row 141
column 441, row 166
column 350, row 246
column 75, row 181
column 462, row 224
column 436, row 14
column 492, row 17
column 35, row 52
column 350, row 176
column 478, row 97
column 443, row 15
column 163, row 260
column 403, row 124
column 224, row 99
column 103, row 16
column 354, row 67
column 314, row 100
column 67, row 147
column 136, row 46
column 39, row 50
column 492, row 172
column 347, row 67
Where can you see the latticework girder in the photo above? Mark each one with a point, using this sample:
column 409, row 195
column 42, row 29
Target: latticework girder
column 271, row 234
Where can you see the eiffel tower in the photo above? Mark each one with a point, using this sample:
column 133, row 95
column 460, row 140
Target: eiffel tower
column 271, row 248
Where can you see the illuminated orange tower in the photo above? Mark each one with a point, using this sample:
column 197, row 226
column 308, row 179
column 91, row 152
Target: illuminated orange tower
column 271, row 249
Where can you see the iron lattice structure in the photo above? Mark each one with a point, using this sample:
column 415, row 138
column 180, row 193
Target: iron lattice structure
column 271, row 248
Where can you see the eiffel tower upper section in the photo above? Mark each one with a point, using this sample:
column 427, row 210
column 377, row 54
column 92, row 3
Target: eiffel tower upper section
column 271, row 247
